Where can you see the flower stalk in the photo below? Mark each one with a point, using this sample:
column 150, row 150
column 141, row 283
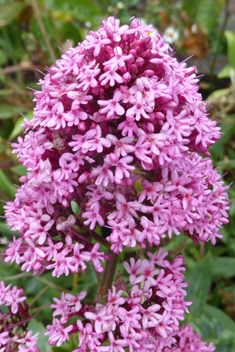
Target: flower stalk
column 109, row 271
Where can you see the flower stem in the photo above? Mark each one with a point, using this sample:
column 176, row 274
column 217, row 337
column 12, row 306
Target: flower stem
column 219, row 40
column 38, row 295
column 110, row 270
column 100, row 239
column 43, row 30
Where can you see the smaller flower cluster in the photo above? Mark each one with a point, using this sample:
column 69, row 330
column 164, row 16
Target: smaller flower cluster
column 62, row 258
column 187, row 341
column 144, row 317
column 14, row 335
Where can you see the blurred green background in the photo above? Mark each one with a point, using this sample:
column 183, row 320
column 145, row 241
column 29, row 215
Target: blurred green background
column 30, row 33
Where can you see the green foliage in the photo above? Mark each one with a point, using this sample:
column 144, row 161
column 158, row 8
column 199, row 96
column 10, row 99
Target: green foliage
column 223, row 267
column 38, row 326
column 83, row 10
column 230, row 36
column 220, row 316
column 205, row 13
column 10, row 11
column 228, row 130
column 229, row 70
column 200, row 283
column 7, row 111
column 6, row 185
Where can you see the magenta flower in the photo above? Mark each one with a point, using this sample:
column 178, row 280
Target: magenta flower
column 93, row 216
column 112, row 107
column 14, row 312
column 58, row 333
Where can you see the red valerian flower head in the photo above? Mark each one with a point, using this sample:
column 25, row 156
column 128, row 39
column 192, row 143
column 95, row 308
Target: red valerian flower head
column 117, row 132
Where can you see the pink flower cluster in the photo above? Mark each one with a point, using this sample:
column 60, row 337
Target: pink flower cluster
column 144, row 317
column 187, row 341
column 117, row 130
column 14, row 335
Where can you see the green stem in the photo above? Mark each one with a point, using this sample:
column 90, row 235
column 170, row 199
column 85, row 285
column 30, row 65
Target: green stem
column 14, row 277
column 98, row 278
column 40, row 278
column 50, row 284
column 38, row 295
column 110, row 270
column 38, row 309
column 220, row 36
column 100, row 239
column 43, row 30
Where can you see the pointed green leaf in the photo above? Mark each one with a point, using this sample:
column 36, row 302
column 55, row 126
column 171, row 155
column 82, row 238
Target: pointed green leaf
column 6, row 231
column 223, row 267
column 220, row 316
column 3, row 58
column 19, row 170
column 225, row 72
column 42, row 341
column 10, row 11
column 200, row 281
column 226, row 163
column 207, row 14
column 228, row 130
column 17, row 128
column 6, row 185
column 230, row 36
column 8, row 111
column 83, row 10
column 217, row 94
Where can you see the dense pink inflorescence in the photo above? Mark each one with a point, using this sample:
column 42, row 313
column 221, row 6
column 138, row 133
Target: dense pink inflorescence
column 14, row 335
column 144, row 317
column 187, row 341
column 117, row 130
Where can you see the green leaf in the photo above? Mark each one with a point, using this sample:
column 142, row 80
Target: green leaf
column 10, row 11
column 33, row 286
column 6, row 185
column 18, row 128
column 52, row 31
column 217, row 94
column 42, row 342
column 70, row 32
column 83, row 10
column 230, row 36
column 223, row 267
column 226, row 163
column 206, row 15
column 75, row 207
column 8, row 111
column 5, row 91
column 3, row 58
column 228, row 130
column 203, row 12
column 190, row 6
column 66, row 346
column 225, row 72
column 19, row 170
column 200, row 281
column 220, row 316
column 5, row 231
